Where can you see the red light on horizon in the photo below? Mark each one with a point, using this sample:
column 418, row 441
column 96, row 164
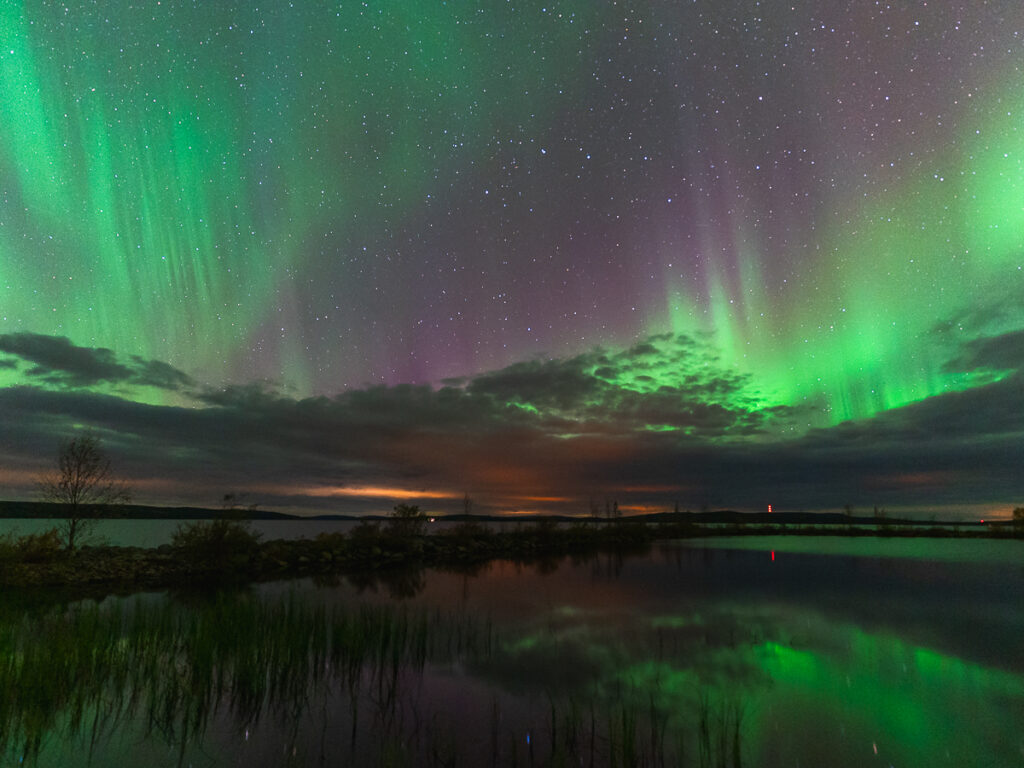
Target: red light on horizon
column 769, row 509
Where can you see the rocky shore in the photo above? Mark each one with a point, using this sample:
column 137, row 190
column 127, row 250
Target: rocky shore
column 240, row 556
column 226, row 551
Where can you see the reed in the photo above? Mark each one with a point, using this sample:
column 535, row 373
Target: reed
column 76, row 673
column 74, row 677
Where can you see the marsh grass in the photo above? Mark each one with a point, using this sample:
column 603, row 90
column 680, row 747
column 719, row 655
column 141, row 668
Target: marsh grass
column 74, row 678
column 630, row 734
column 78, row 673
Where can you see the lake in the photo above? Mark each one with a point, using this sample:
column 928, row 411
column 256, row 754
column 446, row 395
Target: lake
column 729, row 652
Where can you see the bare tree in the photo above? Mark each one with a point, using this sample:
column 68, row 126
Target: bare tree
column 83, row 485
column 237, row 505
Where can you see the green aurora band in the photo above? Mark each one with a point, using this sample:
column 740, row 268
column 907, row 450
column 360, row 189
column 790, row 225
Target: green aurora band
column 175, row 175
column 865, row 335
column 168, row 189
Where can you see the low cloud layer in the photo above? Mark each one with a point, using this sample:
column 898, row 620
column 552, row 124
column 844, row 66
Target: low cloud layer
column 56, row 361
column 659, row 423
column 995, row 353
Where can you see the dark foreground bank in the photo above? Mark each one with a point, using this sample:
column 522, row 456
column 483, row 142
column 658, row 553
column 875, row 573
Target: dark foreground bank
column 220, row 550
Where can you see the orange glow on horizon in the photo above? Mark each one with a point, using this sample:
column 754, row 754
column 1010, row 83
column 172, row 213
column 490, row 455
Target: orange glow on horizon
column 29, row 479
column 375, row 492
column 523, row 512
column 641, row 509
column 23, row 477
column 652, row 488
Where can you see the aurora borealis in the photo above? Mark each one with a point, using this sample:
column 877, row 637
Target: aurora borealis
column 720, row 253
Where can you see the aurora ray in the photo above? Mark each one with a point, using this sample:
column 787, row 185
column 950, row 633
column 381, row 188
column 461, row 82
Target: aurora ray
column 322, row 197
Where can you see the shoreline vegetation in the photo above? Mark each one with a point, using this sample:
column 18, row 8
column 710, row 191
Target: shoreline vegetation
column 227, row 550
column 42, row 510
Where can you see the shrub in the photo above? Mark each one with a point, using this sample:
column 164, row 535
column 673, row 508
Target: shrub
column 469, row 530
column 332, row 539
column 406, row 520
column 365, row 533
column 216, row 545
column 31, row 548
column 544, row 528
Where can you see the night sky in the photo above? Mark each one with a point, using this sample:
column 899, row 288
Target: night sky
column 339, row 254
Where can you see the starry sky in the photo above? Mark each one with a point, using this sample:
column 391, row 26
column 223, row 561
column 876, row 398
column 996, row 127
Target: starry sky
column 341, row 253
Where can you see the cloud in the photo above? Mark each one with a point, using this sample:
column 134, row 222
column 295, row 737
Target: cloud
column 649, row 425
column 667, row 381
column 155, row 373
column 1004, row 352
column 56, row 361
column 597, row 392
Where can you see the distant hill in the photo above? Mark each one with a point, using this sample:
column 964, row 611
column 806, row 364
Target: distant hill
column 42, row 510
column 728, row 516
column 718, row 517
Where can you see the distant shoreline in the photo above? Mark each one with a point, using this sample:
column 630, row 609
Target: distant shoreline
column 228, row 552
column 34, row 510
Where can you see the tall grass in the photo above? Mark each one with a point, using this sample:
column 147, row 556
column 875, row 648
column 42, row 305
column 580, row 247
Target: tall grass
column 74, row 678
column 80, row 672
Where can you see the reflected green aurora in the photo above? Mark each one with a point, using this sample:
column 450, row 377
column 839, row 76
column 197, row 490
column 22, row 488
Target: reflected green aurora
column 681, row 657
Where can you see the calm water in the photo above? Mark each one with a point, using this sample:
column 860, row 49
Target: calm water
column 693, row 654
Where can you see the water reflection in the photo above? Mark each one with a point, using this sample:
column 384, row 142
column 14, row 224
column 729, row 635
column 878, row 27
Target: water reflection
column 680, row 657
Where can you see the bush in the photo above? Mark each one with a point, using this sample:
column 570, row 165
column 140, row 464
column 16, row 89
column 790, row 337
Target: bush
column 365, row 533
column 330, row 540
column 216, row 545
column 31, row 548
column 406, row 520
column 470, row 530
